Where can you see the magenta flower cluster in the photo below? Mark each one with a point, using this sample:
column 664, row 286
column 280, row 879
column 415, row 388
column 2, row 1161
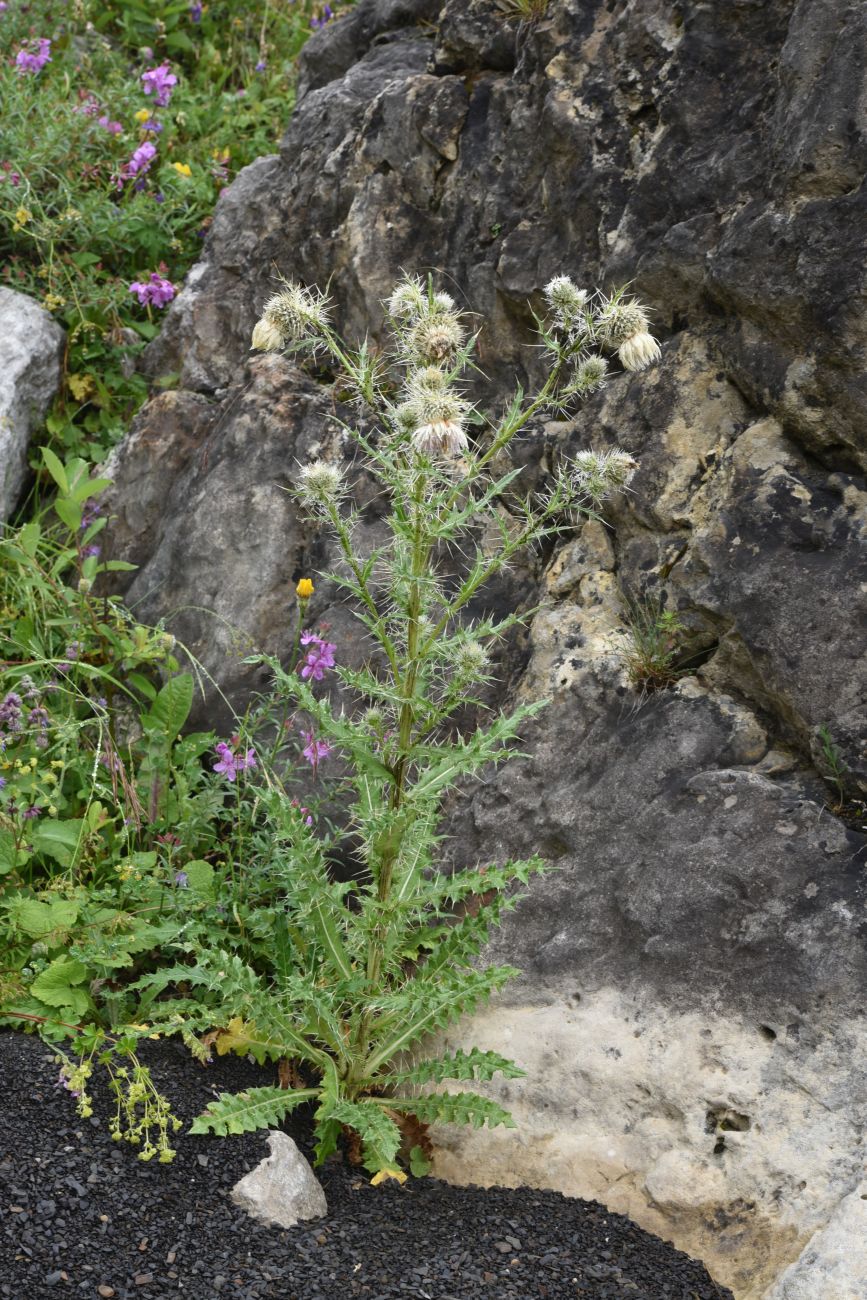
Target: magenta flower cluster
column 230, row 763
column 34, row 60
column 155, row 292
column 314, row 750
column 320, row 656
column 159, row 82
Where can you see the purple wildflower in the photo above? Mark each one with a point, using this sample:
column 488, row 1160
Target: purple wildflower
column 139, row 163
column 157, row 291
column 10, row 712
column 113, row 128
column 91, row 514
column 31, row 813
column 159, row 82
column 151, row 124
column 327, row 15
column 230, row 763
column 3, row 6
column 181, row 879
column 315, row 749
column 38, row 717
column 92, row 550
column 2, row 782
column 319, row 657
column 195, row 12
column 26, row 61
column 261, row 65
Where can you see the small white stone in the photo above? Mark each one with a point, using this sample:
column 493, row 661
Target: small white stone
column 282, row 1189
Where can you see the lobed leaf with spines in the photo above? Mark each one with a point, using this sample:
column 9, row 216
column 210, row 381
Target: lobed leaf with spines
column 245, row 1112
column 454, row 1108
column 461, row 1065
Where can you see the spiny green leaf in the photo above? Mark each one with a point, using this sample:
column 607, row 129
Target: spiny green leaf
column 453, row 1108
column 244, row 1112
column 474, row 1064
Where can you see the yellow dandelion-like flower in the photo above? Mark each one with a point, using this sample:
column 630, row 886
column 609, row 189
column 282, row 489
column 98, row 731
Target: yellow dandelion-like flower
column 142, row 115
column 183, row 169
column 305, row 589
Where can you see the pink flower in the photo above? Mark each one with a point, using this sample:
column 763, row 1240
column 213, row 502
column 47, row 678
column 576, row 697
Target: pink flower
column 230, row 763
column 315, row 749
column 159, row 81
column 25, row 61
column 319, row 657
column 156, row 291
column 113, row 128
column 139, row 163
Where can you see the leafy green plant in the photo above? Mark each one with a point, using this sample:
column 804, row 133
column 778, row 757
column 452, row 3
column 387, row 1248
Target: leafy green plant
column 103, row 185
column 364, row 970
column 655, row 643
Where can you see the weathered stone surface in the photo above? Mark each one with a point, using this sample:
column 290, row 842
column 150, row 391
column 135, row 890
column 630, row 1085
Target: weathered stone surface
column 834, row 1263
column 31, row 350
column 708, row 906
column 282, row 1190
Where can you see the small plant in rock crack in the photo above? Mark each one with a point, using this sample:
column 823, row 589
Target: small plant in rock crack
column 655, row 643
column 364, row 970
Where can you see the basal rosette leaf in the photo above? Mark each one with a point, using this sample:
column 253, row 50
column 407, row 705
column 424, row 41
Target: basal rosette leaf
column 244, row 1112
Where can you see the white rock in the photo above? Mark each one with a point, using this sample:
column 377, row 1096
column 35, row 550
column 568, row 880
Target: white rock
column 31, row 347
column 282, row 1189
column 833, row 1265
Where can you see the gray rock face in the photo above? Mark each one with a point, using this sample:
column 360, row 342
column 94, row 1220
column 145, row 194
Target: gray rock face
column 696, row 960
column 834, row 1264
column 31, row 350
column 282, row 1189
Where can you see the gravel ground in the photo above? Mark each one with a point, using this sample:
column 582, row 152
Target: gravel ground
column 81, row 1216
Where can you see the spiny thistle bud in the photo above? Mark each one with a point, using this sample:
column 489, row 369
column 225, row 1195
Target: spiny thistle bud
column 427, row 380
column 591, row 373
column 597, row 474
column 406, row 417
column 619, row 319
column 443, row 302
column 638, row 351
column 565, row 298
column 294, row 314
column 408, row 300
column 373, row 719
column 321, row 483
column 470, row 660
column 435, row 338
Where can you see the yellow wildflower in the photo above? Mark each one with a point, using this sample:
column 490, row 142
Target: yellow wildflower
column 183, row 169
column 81, row 386
column 305, row 589
column 53, row 301
column 22, row 216
column 142, row 115
column 397, row 1174
column 57, row 762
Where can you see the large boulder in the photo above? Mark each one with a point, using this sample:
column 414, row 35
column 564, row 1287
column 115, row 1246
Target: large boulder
column 31, row 355
column 691, row 1011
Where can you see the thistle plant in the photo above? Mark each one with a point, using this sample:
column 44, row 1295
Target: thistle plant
column 365, row 970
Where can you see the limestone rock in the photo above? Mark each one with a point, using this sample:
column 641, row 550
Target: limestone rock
column 282, row 1190
column 833, row 1265
column 31, row 351
column 694, row 962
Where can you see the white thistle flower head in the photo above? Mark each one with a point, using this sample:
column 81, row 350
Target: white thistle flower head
column 267, row 337
column 638, row 351
column 619, row 318
column 591, row 373
column 440, row 437
column 408, row 300
column 320, row 483
column 443, row 302
column 435, row 338
column 471, row 661
column 597, row 474
column 565, row 298
column 434, row 405
column 296, row 312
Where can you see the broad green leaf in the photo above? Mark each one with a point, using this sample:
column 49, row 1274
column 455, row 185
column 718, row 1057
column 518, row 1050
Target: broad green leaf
column 200, row 877
column 55, row 985
column 39, row 919
column 8, row 852
column 68, row 512
column 29, row 538
column 172, row 706
column 329, row 934
column 58, row 839
column 55, row 468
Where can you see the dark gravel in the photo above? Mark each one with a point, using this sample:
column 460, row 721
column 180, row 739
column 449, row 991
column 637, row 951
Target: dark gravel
column 81, row 1216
